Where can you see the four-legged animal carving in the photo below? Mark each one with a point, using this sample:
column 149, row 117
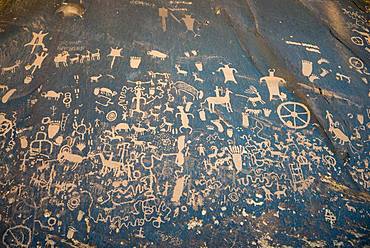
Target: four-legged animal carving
column 62, row 58
column 12, row 68
column 220, row 100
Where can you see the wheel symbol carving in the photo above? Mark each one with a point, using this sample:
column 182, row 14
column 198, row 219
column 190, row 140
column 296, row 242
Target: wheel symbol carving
column 294, row 115
column 17, row 236
column 356, row 63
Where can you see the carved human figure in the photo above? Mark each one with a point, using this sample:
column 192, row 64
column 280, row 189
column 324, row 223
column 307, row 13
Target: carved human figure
column 37, row 62
column 37, row 40
column 228, row 73
column 273, row 85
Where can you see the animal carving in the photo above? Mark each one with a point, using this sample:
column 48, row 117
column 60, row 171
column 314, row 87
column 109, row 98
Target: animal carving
column 220, row 100
column 121, row 127
column 166, row 125
column 152, row 129
column 257, row 98
column 95, row 79
column 86, row 57
column 71, row 10
column 337, row 133
column 104, row 91
column 168, row 108
column 113, row 136
column 52, row 95
column 197, row 78
column 70, row 157
column 61, row 58
column 96, row 55
column 12, row 68
column 157, row 54
column 109, row 165
column 154, row 112
column 138, row 130
column 139, row 144
column 280, row 193
column 181, row 71
column 75, row 59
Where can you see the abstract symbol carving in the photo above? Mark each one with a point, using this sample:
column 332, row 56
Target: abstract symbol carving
column 294, row 115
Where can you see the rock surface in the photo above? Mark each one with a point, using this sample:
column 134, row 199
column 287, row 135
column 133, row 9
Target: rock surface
column 213, row 123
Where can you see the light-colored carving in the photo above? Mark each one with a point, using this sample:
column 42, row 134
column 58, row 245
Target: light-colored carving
column 220, row 100
column 228, row 73
column 37, row 40
column 12, row 68
column 294, row 115
column 273, row 85
column 163, row 14
column 62, row 58
column 52, row 95
column 157, row 54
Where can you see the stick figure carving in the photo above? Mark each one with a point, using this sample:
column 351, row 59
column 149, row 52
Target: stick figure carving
column 37, row 62
column 37, row 40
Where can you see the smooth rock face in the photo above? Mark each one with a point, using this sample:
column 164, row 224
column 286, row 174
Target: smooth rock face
column 213, row 123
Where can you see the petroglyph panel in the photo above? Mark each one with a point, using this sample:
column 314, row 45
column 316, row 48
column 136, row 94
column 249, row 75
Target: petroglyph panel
column 184, row 124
